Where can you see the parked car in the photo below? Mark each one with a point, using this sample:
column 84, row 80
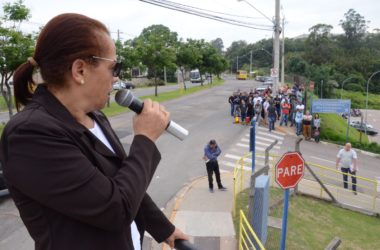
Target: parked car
column 268, row 81
column 123, row 85
column 368, row 131
column 357, row 124
column 261, row 89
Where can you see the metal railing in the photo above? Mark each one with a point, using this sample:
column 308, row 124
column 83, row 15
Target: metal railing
column 367, row 189
column 247, row 237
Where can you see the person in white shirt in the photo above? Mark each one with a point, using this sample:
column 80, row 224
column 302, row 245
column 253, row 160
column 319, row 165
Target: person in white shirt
column 300, row 106
column 347, row 159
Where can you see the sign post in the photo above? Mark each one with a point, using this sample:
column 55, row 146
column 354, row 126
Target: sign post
column 289, row 171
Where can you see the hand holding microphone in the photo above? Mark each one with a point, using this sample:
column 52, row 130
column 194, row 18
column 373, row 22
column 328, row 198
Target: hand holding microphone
column 156, row 117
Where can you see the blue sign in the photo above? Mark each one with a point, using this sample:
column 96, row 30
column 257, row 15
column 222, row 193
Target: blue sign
column 331, row 106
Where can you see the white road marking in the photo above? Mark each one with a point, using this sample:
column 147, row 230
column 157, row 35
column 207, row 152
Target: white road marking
column 232, row 165
column 266, row 144
column 262, row 143
column 266, row 139
column 321, row 159
column 273, row 131
column 247, row 146
column 236, row 157
column 275, row 136
column 243, row 145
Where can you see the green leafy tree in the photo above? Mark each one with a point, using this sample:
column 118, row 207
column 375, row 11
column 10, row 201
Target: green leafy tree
column 128, row 54
column 188, row 57
column 355, row 27
column 319, row 47
column 156, row 47
column 15, row 47
column 16, row 12
column 218, row 44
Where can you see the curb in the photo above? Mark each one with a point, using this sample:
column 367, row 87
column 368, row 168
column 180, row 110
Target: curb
column 174, row 204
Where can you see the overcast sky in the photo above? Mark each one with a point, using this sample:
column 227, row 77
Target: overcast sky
column 131, row 16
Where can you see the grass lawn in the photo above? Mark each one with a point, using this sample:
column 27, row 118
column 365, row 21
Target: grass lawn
column 358, row 99
column 334, row 127
column 313, row 223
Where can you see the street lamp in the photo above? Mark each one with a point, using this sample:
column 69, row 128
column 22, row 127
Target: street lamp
column 343, row 85
column 366, row 99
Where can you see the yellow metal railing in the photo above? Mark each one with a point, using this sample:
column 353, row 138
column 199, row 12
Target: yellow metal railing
column 247, row 237
column 332, row 178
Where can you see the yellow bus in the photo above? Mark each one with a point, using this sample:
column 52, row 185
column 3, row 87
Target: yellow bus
column 241, row 75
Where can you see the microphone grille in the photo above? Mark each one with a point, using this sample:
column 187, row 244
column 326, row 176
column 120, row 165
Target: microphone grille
column 124, row 97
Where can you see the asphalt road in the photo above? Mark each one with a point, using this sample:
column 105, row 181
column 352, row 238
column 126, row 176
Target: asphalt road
column 206, row 115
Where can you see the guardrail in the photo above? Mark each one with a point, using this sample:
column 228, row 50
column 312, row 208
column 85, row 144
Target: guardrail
column 247, row 237
column 367, row 189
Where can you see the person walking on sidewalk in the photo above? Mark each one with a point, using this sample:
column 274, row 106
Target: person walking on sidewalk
column 348, row 159
column 211, row 153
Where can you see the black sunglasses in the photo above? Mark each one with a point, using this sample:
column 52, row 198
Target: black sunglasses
column 116, row 70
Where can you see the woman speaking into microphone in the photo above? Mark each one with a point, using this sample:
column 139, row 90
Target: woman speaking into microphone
column 66, row 170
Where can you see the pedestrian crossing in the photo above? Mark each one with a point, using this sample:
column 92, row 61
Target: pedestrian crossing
column 263, row 139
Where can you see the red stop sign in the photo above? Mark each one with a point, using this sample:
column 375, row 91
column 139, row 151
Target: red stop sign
column 289, row 170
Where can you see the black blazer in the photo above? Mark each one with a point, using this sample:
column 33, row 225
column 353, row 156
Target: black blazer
column 71, row 190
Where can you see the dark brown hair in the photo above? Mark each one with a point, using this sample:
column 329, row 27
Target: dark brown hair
column 64, row 39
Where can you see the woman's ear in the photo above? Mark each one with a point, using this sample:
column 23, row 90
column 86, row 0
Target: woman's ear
column 77, row 70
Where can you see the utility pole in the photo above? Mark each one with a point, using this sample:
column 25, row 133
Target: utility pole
column 283, row 52
column 250, row 65
column 276, row 46
column 165, row 80
column 237, row 63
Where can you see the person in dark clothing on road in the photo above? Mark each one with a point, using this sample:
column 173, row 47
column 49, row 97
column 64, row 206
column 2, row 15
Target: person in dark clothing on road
column 211, row 153
column 231, row 102
column 272, row 116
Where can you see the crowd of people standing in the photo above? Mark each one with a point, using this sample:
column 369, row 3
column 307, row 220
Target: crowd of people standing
column 286, row 108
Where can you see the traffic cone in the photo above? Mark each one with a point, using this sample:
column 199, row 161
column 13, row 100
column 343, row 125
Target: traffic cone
column 237, row 119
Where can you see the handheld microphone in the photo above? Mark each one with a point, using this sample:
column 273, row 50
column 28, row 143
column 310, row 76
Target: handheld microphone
column 125, row 98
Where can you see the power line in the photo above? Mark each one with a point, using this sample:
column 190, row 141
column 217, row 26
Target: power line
column 188, row 10
column 217, row 12
column 191, row 8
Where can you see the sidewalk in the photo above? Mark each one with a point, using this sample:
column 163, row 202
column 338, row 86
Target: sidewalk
column 204, row 216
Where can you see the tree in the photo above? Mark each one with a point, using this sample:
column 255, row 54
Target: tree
column 218, row 44
column 15, row 48
column 318, row 44
column 16, row 13
column 355, row 27
column 188, row 57
column 156, row 48
column 129, row 56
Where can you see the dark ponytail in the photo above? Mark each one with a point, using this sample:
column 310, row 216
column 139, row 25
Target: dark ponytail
column 64, row 39
column 23, row 84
